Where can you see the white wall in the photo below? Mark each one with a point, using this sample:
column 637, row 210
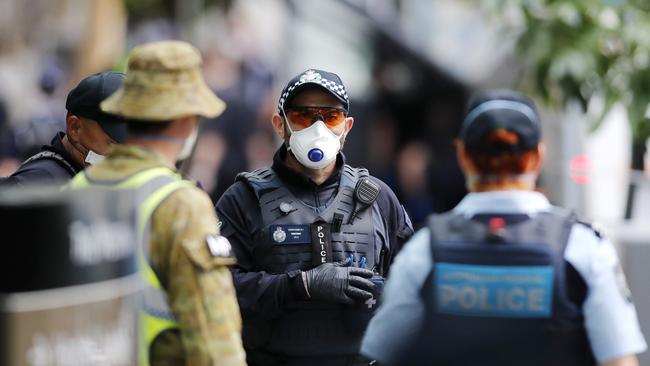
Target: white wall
column 609, row 150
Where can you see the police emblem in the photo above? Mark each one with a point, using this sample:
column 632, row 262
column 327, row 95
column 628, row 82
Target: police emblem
column 310, row 75
column 279, row 235
column 219, row 246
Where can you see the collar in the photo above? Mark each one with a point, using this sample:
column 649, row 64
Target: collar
column 294, row 177
column 56, row 145
column 503, row 202
column 118, row 151
column 124, row 160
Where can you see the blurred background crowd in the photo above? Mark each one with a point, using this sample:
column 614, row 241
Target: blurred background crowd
column 410, row 66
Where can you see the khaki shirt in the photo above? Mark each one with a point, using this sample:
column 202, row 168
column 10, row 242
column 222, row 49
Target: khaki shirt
column 199, row 285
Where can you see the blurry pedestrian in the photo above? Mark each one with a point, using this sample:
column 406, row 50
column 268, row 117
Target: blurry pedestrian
column 189, row 313
column 313, row 236
column 505, row 278
column 8, row 151
column 89, row 134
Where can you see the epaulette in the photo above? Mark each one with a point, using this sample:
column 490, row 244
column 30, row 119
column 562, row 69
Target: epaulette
column 260, row 180
column 47, row 154
column 258, row 175
column 593, row 226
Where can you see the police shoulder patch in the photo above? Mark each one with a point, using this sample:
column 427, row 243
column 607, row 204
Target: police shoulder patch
column 219, row 246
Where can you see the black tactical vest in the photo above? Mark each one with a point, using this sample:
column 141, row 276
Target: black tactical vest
column 290, row 237
column 500, row 293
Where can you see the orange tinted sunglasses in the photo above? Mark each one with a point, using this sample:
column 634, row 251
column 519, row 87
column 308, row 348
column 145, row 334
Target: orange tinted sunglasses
column 305, row 116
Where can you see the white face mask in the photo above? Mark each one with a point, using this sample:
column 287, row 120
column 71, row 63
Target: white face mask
column 316, row 146
column 93, row 158
column 188, row 145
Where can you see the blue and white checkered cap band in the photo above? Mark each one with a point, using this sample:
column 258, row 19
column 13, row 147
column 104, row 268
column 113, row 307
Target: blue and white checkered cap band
column 501, row 104
column 311, row 77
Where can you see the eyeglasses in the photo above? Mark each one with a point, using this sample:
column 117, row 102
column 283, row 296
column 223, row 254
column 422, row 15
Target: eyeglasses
column 305, row 116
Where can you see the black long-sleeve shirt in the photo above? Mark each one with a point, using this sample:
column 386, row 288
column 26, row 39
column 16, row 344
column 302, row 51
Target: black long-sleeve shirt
column 262, row 295
column 46, row 171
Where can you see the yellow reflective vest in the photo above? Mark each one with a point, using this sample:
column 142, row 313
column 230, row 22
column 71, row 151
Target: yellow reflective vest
column 151, row 186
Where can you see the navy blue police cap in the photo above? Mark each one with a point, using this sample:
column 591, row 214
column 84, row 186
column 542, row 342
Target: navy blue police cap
column 328, row 81
column 501, row 109
column 85, row 98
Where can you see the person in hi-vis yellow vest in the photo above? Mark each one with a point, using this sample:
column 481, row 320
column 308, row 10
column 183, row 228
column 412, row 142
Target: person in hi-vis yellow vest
column 189, row 314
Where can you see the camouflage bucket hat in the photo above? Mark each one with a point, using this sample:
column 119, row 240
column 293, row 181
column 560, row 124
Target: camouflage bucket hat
column 163, row 82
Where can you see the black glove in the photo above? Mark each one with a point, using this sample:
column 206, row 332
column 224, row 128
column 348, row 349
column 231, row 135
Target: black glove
column 337, row 282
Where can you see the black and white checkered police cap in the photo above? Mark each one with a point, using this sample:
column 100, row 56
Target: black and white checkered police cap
column 328, row 81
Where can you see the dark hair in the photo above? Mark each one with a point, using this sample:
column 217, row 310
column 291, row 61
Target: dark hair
column 504, row 163
column 142, row 127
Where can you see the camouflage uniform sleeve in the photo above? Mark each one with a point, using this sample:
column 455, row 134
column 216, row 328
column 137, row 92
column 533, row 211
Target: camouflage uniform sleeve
column 198, row 282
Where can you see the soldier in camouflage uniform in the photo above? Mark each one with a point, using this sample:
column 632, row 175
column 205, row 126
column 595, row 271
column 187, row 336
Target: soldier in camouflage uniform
column 189, row 314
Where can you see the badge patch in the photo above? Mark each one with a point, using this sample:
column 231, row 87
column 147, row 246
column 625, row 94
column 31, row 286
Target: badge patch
column 621, row 283
column 290, row 234
column 279, row 235
column 310, row 75
column 494, row 291
column 219, row 246
column 321, row 243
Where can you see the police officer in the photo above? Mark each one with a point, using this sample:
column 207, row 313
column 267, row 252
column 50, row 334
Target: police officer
column 89, row 134
column 189, row 313
column 313, row 236
column 505, row 278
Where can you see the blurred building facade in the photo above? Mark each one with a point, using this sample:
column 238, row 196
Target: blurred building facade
column 410, row 66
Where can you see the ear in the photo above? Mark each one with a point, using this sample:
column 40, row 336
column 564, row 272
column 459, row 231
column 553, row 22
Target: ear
column 278, row 125
column 349, row 122
column 73, row 127
column 461, row 156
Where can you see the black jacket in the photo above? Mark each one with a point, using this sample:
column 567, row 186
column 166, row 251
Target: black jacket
column 263, row 295
column 46, row 170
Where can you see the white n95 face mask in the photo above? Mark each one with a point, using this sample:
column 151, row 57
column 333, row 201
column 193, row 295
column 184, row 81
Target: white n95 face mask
column 188, row 145
column 316, row 146
column 93, row 158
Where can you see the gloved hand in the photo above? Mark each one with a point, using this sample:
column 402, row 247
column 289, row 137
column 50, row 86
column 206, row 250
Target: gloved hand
column 337, row 282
